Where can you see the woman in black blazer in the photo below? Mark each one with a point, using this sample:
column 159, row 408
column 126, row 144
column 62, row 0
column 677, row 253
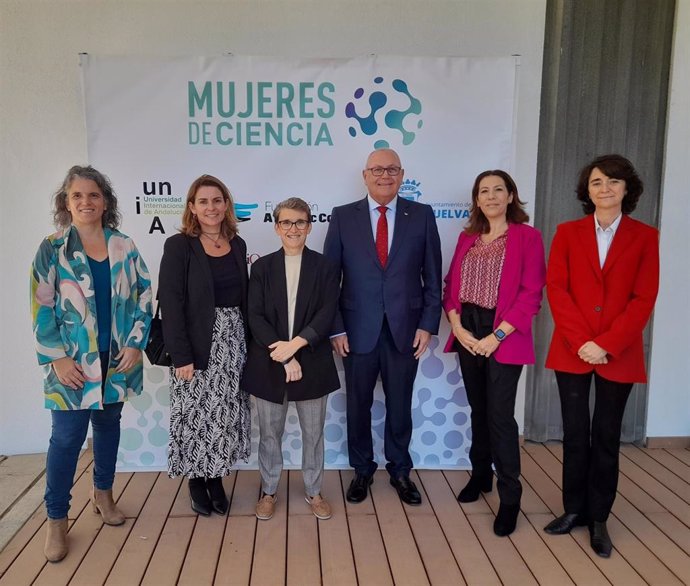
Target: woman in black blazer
column 293, row 295
column 203, row 297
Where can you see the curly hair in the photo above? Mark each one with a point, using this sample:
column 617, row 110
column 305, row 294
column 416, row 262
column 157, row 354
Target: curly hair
column 62, row 216
column 478, row 224
column 190, row 224
column 616, row 167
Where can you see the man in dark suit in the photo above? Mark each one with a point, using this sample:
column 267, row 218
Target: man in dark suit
column 389, row 253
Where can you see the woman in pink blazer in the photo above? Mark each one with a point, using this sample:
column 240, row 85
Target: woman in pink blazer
column 493, row 291
column 602, row 282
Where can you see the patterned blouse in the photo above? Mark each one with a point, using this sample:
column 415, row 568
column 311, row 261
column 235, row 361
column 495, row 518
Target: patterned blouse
column 481, row 272
column 63, row 307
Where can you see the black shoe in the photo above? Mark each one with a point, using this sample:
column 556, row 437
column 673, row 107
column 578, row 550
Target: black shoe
column 599, row 539
column 359, row 488
column 506, row 520
column 476, row 484
column 565, row 524
column 199, row 496
column 407, row 491
column 219, row 501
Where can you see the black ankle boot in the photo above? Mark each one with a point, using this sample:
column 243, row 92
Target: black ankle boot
column 219, row 501
column 506, row 520
column 478, row 483
column 199, row 496
column 599, row 539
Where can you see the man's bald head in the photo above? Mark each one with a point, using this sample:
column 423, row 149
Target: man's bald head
column 383, row 175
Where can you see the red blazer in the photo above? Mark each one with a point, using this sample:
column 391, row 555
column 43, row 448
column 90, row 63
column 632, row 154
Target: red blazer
column 609, row 305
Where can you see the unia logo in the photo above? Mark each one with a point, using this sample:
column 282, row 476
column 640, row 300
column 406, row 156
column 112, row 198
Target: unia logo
column 393, row 118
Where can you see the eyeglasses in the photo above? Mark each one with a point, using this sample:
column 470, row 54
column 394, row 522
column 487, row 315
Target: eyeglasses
column 378, row 171
column 288, row 224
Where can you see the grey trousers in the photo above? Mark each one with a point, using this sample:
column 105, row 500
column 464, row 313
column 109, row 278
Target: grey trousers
column 312, row 415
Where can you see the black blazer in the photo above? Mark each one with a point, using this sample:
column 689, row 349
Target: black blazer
column 187, row 300
column 317, row 299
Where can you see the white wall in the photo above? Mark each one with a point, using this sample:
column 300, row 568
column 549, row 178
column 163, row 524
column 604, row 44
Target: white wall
column 668, row 410
column 42, row 128
column 42, row 133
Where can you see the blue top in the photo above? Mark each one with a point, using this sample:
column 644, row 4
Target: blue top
column 100, row 271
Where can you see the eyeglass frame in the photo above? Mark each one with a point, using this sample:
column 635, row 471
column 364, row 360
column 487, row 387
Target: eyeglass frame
column 386, row 170
column 281, row 223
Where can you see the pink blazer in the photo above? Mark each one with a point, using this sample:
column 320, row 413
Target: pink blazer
column 519, row 292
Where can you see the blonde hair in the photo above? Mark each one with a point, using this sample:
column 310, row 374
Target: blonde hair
column 190, row 223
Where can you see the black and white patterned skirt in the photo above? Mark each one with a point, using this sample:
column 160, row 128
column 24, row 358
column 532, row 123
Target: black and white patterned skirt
column 210, row 422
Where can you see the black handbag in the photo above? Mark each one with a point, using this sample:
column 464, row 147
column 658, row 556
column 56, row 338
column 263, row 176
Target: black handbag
column 155, row 349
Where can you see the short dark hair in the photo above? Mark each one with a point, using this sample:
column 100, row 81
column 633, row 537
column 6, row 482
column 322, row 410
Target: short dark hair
column 478, row 224
column 190, row 223
column 292, row 203
column 616, row 167
column 62, row 216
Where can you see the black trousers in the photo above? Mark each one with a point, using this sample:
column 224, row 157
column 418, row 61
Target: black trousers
column 590, row 451
column 491, row 389
column 398, row 371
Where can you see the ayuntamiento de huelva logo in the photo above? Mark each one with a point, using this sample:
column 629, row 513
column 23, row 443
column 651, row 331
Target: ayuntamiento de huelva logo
column 443, row 210
column 393, row 118
column 409, row 189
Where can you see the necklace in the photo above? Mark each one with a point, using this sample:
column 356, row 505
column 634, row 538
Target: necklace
column 214, row 240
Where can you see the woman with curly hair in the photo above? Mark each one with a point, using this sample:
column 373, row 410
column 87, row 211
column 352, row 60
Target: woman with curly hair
column 91, row 308
column 602, row 281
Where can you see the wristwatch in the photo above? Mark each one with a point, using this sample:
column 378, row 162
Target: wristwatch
column 500, row 334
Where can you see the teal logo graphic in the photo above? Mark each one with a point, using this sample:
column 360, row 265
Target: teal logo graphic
column 409, row 189
column 393, row 119
column 243, row 211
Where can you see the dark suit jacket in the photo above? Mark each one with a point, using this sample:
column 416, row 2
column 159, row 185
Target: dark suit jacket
column 317, row 299
column 407, row 291
column 609, row 305
column 187, row 300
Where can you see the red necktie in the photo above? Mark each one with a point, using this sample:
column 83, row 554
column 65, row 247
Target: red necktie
column 382, row 235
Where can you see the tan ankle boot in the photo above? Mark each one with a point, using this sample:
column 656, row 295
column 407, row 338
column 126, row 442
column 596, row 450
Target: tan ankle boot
column 102, row 502
column 56, row 539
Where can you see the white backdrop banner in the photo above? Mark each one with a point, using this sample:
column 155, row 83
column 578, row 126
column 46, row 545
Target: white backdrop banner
column 272, row 128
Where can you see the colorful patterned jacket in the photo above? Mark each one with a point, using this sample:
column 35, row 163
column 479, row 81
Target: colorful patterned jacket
column 63, row 308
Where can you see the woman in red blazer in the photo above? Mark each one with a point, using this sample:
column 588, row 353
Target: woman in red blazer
column 602, row 282
column 493, row 291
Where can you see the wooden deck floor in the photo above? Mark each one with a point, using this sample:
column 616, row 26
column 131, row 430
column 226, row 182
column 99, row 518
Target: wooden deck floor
column 377, row 542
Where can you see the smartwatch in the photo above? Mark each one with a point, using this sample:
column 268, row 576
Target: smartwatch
column 500, row 334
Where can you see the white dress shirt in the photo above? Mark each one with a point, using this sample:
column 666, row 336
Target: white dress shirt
column 605, row 237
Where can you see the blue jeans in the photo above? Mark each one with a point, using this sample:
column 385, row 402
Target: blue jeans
column 67, row 438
